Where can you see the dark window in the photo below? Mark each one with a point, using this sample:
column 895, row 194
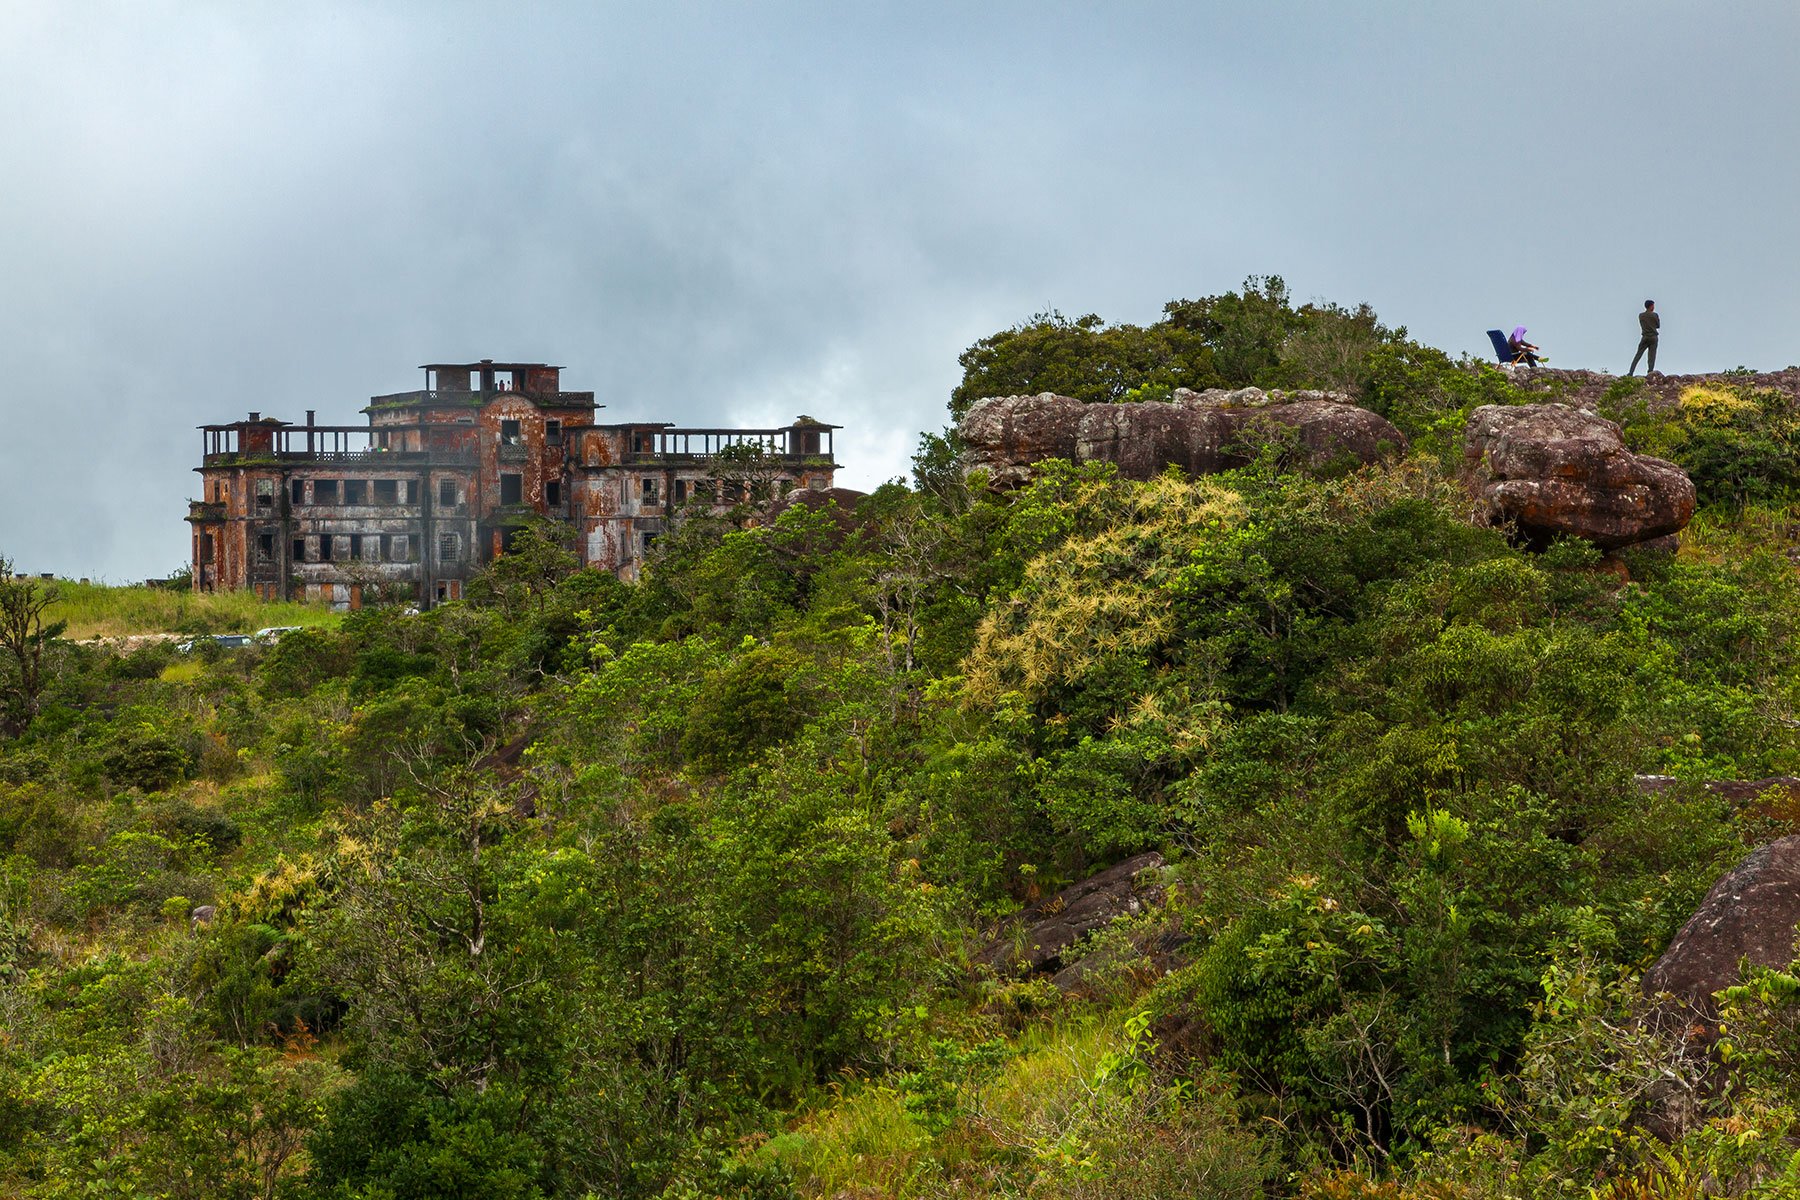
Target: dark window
column 512, row 489
column 409, row 492
column 449, row 549
column 649, row 487
column 325, row 491
column 299, row 550
column 681, row 491
column 647, row 540
column 324, row 547
column 553, row 431
column 356, row 491
column 386, row 491
column 299, row 491
column 447, row 492
column 506, row 540
column 509, row 432
column 265, row 547
column 552, row 493
column 443, row 590
column 356, row 544
column 265, row 493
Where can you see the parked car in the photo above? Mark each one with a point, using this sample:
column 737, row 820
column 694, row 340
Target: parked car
column 224, row 641
column 275, row 633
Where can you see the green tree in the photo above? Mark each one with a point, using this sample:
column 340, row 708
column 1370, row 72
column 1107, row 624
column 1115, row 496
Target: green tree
column 539, row 556
column 24, row 638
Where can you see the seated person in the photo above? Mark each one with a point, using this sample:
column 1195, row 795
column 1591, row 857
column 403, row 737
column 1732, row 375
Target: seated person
column 1522, row 350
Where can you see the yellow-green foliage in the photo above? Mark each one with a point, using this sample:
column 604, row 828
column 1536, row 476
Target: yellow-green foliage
column 1051, row 631
column 96, row 610
column 864, row 1144
column 1077, row 1114
column 1703, row 405
column 187, row 671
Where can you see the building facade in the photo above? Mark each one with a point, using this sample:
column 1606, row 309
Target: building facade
column 413, row 503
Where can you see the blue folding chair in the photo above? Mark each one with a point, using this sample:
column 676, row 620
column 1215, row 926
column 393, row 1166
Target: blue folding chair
column 1502, row 348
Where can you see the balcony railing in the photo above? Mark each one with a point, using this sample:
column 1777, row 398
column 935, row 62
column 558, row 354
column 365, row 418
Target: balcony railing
column 442, row 396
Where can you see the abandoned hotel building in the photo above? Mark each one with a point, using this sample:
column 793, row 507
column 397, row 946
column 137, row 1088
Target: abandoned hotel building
column 438, row 481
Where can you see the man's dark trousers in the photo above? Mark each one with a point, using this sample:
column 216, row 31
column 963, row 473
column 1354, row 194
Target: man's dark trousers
column 1647, row 342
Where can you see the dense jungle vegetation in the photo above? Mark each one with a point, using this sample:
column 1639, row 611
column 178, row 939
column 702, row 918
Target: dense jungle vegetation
column 670, row 888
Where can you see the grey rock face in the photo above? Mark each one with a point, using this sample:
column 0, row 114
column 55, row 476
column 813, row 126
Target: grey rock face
column 1200, row 432
column 1551, row 470
column 1750, row 913
column 1036, row 939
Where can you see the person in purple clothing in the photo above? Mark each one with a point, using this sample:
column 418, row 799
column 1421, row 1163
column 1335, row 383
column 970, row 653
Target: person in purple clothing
column 1523, row 351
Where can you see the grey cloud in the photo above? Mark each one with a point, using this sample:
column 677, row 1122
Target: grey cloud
column 717, row 213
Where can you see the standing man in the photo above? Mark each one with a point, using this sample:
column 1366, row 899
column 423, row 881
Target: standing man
column 1650, row 324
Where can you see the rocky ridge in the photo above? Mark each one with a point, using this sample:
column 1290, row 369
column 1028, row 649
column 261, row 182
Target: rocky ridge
column 1200, row 432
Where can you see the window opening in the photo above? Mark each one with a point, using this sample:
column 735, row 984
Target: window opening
column 681, row 489
column 552, row 493
column 299, row 491
column 449, row 547
column 512, row 488
column 356, row 491
column 325, row 547
column 447, row 492
column 299, row 550
column 356, row 545
column 509, row 433
column 553, row 431
column 265, row 547
column 265, row 493
column 387, row 491
column 325, row 491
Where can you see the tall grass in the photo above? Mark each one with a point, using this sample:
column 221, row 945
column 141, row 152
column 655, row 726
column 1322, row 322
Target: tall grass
column 95, row 610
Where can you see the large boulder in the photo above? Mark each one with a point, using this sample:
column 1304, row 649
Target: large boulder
column 1200, row 432
column 1006, row 434
column 1036, row 938
column 1750, row 914
column 1550, row 470
column 840, row 501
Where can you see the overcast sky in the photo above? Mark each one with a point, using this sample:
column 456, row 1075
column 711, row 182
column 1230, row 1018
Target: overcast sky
column 735, row 213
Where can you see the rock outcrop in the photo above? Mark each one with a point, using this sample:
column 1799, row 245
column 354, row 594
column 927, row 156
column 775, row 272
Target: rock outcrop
column 1200, row 432
column 1785, row 788
column 846, row 500
column 1750, row 913
column 1549, row 470
column 1659, row 393
column 1035, row 940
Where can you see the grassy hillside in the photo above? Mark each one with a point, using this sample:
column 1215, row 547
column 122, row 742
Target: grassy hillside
column 677, row 889
column 95, row 610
